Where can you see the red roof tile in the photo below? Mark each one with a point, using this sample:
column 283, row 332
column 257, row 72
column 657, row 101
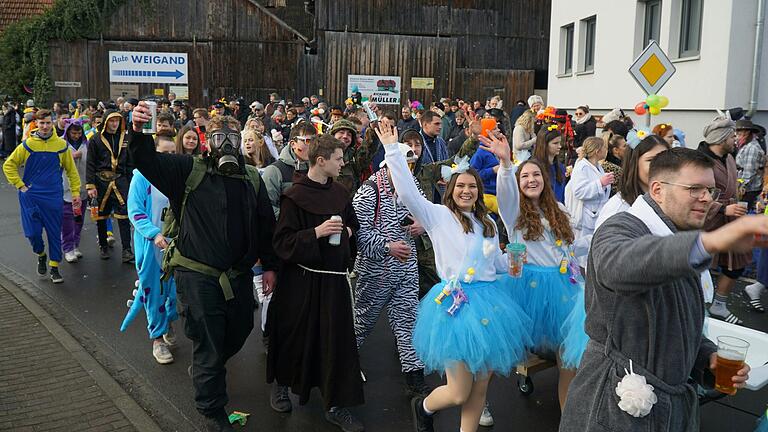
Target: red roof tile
column 15, row 10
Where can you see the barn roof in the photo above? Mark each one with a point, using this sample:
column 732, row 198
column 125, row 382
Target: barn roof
column 12, row 11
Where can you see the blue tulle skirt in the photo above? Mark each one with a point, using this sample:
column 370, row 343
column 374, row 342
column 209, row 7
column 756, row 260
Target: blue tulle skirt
column 576, row 338
column 488, row 334
column 548, row 297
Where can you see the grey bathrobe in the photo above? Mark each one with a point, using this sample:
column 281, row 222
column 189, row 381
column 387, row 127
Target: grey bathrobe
column 644, row 302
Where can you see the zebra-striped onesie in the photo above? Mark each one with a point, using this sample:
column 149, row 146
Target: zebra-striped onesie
column 382, row 279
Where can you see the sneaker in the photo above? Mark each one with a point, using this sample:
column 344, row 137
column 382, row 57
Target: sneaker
column 217, row 422
column 414, row 384
column 78, row 254
column 486, row 419
column 104, row 253
column 56, row 276
column 161, row 353
column 127, row 256
column 170, row 336
column 342, row 418
column 110, row 239
column 422, row 422
column 279, row 400
column 70, row 256
column 42, row 265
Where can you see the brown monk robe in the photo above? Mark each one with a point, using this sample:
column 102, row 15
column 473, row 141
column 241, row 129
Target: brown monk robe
column 310, row 324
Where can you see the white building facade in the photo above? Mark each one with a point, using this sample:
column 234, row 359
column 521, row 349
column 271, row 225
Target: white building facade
column 710, row 42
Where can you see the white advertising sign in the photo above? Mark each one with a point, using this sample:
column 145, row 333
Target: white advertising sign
column 148, row 67
column 380, row 89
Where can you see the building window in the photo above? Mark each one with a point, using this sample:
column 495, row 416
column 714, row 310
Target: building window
column 690, row 28
column 566, row 44
column 652, row 22
column 589, row 31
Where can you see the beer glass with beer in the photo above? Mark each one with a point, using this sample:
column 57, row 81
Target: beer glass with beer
column 731, row 353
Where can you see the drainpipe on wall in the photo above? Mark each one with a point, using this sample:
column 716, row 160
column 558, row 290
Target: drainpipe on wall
column 757, row 59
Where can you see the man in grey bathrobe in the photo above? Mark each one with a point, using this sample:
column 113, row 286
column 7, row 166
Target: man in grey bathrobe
column 644, row 301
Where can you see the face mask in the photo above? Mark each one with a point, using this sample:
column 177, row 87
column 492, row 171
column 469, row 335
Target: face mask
column 225, row 149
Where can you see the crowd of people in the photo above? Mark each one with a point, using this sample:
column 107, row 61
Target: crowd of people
column 487, row 234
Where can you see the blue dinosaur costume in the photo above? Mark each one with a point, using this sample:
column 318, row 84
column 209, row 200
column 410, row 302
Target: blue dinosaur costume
column 146, row 207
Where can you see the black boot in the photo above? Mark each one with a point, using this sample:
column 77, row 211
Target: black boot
column 279, row 400
column 422, row 422
column 414, row 384
column 344, row 419
column 42, row 265
column 127, row 256
column 217, row 422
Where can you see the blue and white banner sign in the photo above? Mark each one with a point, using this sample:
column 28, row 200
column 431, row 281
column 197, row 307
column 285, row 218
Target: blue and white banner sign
column 148, row 67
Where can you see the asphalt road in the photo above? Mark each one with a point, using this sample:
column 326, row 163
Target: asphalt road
column 93, row 300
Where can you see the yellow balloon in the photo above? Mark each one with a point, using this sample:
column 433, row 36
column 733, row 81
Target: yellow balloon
column 654, row 110
column 663, row 102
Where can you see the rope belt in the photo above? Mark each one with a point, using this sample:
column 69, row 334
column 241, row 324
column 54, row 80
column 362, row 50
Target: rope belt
column 330, row 272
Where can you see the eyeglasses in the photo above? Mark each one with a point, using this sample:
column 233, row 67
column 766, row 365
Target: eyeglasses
column 698, row 191
column 579, row 114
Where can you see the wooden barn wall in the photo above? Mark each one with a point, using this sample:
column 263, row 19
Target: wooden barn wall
column 378, row 54
column 479, row 84
column 216, row 69
column 232, row 46
column 516, row 30
column 183, row 20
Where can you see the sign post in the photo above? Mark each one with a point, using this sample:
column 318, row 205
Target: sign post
column 651, row 70
column 148, row 67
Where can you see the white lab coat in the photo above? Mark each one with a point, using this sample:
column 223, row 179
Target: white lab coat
column 585, row 196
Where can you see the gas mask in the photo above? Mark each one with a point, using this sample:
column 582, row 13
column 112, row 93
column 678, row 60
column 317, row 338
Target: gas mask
column 225, row 149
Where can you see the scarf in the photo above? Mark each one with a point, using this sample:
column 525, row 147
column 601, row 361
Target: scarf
column 643, row 211
column 584, row 118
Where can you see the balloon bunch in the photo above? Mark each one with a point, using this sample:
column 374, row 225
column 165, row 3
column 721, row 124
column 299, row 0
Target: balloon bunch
column 652, row 104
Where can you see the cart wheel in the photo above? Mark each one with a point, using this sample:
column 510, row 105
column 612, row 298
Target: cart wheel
column 525, row 385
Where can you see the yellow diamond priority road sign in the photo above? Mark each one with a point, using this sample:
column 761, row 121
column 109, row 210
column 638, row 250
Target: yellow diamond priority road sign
column 652, row 68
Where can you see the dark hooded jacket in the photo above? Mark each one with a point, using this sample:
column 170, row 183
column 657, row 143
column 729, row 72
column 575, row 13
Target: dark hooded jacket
column 108, row 152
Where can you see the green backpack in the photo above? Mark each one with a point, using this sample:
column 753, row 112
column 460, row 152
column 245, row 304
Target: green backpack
column 171, row 226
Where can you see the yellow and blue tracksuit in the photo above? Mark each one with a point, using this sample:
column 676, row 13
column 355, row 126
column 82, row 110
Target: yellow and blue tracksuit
column 43, row 160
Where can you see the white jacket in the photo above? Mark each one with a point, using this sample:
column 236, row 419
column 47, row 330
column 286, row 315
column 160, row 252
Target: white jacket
column 585, row 196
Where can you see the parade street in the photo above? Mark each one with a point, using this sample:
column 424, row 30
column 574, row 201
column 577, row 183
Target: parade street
column 92, row 303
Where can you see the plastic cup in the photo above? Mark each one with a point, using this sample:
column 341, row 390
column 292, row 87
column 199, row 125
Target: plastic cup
column 150, row 127
column 335, row 239
column 516, row 259
column 731, row 353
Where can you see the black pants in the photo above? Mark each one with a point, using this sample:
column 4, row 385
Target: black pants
column 750, row 198
column 113, row 206
column 125, row 233
column 217, row 328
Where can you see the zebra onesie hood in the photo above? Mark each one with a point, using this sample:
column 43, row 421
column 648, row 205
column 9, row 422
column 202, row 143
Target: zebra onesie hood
column 383, row 280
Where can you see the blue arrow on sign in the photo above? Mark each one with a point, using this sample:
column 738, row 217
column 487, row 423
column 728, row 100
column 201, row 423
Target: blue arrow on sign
column 146, row 73
column 177, row 74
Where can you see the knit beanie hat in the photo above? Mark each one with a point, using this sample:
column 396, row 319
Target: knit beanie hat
column 344, row 124
column 718, row 130
column 533, row 99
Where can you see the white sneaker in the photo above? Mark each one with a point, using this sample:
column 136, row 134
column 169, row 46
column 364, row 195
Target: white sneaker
column 486, row 419
column 70, row 256
column 161, row 353
column 78, row 254
column 170, row 336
